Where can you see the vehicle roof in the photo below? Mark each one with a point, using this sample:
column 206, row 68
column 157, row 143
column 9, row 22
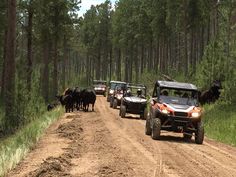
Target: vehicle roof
column 136, row 85
column 99, row 81
column 118, row 82
column 176, row 85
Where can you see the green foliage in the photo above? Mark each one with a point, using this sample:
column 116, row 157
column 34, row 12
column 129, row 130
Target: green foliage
column 15, row 147
column 212, row 66
column 220, row 122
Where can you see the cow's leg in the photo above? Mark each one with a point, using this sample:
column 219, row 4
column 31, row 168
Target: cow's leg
column 93, row 107
column 87, row 108
column 77, row 105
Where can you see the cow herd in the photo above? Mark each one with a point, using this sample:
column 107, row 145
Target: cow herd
column 76, row 99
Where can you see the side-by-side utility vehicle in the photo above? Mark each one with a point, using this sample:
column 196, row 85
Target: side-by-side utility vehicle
column 134, row 101
column 174, row 107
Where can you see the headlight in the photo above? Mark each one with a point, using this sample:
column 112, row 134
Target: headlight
column 165, row 111
column 111, row 91
column 196, row 114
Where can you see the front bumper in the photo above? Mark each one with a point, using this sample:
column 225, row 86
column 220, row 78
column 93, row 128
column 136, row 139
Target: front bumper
column 100, row 92
column 178, row 123
column 135, row 108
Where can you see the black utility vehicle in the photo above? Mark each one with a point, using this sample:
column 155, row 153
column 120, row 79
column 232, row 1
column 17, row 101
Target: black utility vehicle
column 111, row 88
column 174, row 107
column 134, row 101
column 100, row 87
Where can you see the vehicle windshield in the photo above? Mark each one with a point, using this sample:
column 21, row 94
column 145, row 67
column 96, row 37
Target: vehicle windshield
column 135, row 91
column 181, row 97
column 113, row 85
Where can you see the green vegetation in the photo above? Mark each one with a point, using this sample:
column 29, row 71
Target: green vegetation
column 220, row 122
column 15, row 147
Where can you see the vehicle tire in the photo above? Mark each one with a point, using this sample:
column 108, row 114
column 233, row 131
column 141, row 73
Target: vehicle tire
column 108, row 98
column 114, row 104
column 148, row 130
column 111, row 102
column 122, row 111
column 156, row 129
column 199, row 134
column 104, row 94
column 145, row 113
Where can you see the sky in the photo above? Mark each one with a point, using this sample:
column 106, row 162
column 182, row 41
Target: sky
column 86, row 4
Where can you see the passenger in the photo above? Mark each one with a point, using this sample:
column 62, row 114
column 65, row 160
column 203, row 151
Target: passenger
column 164, row 92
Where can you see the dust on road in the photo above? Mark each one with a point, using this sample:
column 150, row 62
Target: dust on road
column 101, row 143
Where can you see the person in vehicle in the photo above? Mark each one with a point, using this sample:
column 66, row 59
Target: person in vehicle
column 164, row 92
column 128, row 93
column 139, row 94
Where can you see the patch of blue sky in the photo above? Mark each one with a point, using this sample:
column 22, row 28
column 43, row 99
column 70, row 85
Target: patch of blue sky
column 86, row 4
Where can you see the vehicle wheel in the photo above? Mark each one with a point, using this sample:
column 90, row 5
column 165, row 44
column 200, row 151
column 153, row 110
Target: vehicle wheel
column 111, row 102
column 148, row 130
column 115, row 104
column 104, row 94
column 144, row 114
column 122, row 111
column 108, row 98
column 156, row 129
column 199, row 134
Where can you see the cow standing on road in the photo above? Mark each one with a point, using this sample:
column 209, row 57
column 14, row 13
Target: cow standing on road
column 88, row 96
column 67, row 101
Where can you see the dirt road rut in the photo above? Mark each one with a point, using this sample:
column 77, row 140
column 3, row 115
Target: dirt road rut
column 101, row 143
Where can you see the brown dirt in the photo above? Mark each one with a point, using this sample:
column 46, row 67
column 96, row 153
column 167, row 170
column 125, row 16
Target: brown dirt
column 101, row 143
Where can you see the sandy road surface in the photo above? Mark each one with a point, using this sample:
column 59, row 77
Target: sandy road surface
column 101, row 143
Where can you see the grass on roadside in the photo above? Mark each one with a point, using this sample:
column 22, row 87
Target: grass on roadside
column 15, row 147
column 220, row 122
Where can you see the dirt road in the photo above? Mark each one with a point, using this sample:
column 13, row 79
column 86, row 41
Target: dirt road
column 101, row 143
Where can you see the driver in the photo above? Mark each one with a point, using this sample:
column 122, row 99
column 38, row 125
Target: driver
column 128, row 93
column 139, row 93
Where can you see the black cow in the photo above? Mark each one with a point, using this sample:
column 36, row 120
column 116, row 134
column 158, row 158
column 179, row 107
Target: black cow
column 88, row 96
column 77, row 97
column 67, row 101
column 212, row 94
column 51, row 106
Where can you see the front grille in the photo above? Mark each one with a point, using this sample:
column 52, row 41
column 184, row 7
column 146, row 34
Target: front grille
column 181, row 114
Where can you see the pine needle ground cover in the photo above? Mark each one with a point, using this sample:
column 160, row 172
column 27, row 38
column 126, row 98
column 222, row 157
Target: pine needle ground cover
column 220, row 122
column 15, row 147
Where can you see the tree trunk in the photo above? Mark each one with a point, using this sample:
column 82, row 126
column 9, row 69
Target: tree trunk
column 29, row 48
column 64, row 64
column 4, row 65
column 10, row 119
column 119, row 64
column 98, row 69
column 55, row 57
column 45, row 83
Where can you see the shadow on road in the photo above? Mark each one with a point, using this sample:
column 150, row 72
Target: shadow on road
column 174, row 139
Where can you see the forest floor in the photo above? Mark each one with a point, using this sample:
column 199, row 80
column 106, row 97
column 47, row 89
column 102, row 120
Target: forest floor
column 101, row 143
